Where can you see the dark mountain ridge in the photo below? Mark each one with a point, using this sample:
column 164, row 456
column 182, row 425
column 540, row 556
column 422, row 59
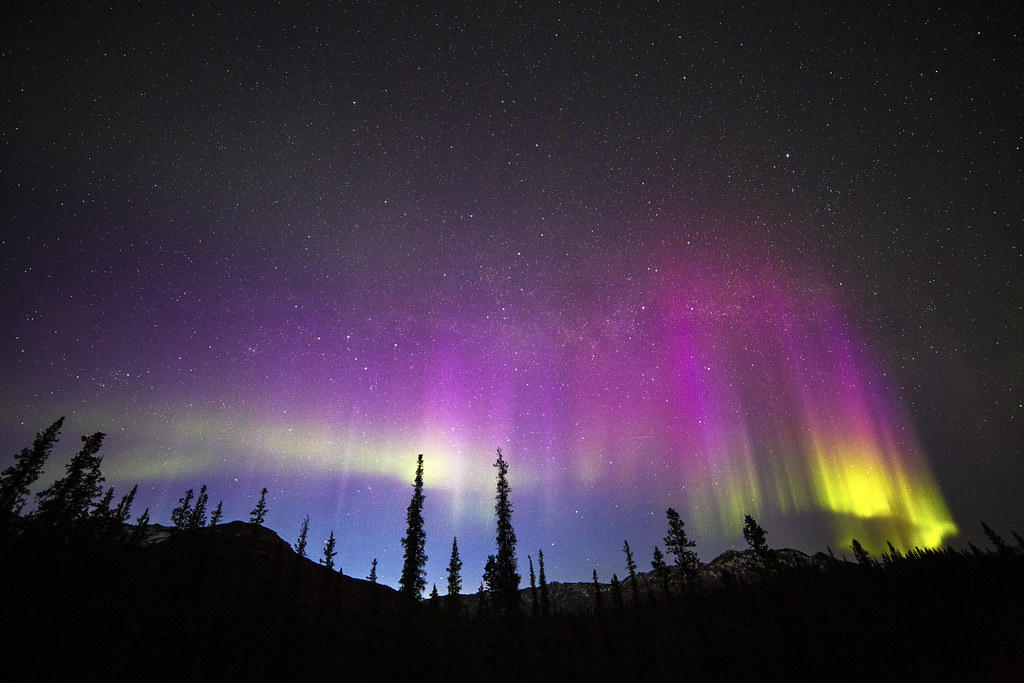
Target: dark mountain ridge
column 227, row 545
column 743, row 566
column 236, row 602
column 228, row 555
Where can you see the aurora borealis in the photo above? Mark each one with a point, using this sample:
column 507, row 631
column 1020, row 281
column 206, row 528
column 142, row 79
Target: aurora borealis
column 713, row 259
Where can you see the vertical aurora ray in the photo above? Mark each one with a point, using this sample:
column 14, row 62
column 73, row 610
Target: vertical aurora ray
column 779, row 409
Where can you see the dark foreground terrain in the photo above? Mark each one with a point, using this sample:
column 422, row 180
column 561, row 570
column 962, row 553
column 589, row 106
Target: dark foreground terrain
column 235, row 602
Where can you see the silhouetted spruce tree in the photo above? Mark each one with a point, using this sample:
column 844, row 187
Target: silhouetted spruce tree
column 372, row 578
column 489, row 577
column 617, row 601
column 998, row 544
column 101, row 519
column 141, row 524
column 101, row 509
column 679, row 545
column 754, row 535
column 300, row 544
column 413, row 580
column 258, row 514
column 454, row 570
column 108, row 523
column 124, row 508
column 329, row 552
column 16, row 480
column 196, row 518
column 506, row 574
column 534, row 599
column 631, row 568
column 481, row 599
column 180, row 514
column 598, row 598
column 1019, row 539
column 217, row 513
column 893, row 555
column 861, row 555
column 661, row 570
column 545, row 598
column 435, row 597
column 67, row 500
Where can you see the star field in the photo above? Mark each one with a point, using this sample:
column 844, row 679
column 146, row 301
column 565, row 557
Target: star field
column 720, row 259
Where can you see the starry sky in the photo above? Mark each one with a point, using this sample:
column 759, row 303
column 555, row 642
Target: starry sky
column 725, row 258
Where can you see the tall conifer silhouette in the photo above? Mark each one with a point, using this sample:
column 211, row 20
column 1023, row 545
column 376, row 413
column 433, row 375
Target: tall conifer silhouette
column 545, row 598
column 631, row 568
column 68, row 499
column 506, row 575
column 196, row 519
column 679, row 545
column 300, row 543
column 372, row 578
column 329, row 552
column 217, row 513
column 16, row 479
column 534, row 601
column 413, row 580
column 455, row 570
column 180, row 515
column 259, row 513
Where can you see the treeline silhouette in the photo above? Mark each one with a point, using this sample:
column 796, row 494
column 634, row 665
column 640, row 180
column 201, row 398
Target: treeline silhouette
column 88, row 594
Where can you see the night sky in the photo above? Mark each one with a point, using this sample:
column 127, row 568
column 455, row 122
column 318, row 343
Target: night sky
column 729, row 259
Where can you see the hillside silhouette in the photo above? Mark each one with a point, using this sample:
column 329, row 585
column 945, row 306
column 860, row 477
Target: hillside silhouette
column 90, row 595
